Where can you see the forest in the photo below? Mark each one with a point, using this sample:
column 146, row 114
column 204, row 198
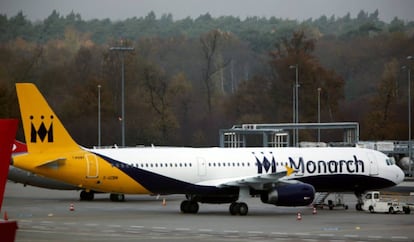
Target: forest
column 186, row 79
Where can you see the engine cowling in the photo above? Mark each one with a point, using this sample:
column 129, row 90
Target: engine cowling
column 290, row 195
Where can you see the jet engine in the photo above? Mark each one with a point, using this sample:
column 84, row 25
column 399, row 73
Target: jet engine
column 291, row 195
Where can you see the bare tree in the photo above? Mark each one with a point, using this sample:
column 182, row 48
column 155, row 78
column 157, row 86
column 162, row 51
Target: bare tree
column 210, row 44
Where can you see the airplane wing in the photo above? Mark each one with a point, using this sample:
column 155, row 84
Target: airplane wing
column 254, row 181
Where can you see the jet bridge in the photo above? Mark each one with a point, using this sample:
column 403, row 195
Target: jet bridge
column 282, row 134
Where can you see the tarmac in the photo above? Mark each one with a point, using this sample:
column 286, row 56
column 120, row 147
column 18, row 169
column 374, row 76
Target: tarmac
column 50, row 215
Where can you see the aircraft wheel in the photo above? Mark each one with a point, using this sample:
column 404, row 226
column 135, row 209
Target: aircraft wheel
column 238, row 209
column 189, row 207
column 233, row 208
column 86, row 196
column 193, row 207
column 184, row 206
column 243, row 209
column 117, row 197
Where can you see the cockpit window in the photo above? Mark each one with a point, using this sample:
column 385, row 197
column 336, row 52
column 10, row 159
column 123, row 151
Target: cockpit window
column 390, row 161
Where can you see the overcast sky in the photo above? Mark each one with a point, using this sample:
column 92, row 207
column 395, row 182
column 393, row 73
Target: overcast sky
column 286, row 9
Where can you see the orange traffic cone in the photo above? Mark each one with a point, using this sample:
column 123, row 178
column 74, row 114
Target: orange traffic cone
column 71, row 207
column 314, row 211
column 299, row 216
column 5, row 216
column 164, row 203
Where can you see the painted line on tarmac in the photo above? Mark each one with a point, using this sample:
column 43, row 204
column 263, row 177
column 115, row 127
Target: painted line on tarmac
column 114, row 226
column 399, row 237
column 326, row 235
column 351, row 236
column 205, row 230
column 279, row 233
column 182, row 229
column 159, row 228
column 374, row 237
column 135, row 227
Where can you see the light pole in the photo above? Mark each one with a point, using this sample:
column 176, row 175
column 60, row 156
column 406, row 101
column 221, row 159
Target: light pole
column 293, row 115
column 319, row 113
column 99, row 115
column 122, row 50
column 296, row 66
column 409, row 116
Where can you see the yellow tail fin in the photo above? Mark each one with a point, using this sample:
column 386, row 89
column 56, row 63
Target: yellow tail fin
column 42, row 128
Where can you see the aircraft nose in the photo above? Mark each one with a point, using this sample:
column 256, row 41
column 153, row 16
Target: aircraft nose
column 399, row 176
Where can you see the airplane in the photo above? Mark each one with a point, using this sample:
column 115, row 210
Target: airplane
column 279, row 176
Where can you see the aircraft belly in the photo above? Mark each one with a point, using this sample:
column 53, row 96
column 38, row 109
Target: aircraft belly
column 345, row 182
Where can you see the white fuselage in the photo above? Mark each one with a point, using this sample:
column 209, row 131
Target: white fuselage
column 217, row 166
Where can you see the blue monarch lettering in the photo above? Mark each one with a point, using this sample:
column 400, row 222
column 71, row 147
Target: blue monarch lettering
column 328, row 167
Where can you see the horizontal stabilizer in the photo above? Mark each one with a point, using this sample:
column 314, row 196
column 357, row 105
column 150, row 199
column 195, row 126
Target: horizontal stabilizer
column 51, row 163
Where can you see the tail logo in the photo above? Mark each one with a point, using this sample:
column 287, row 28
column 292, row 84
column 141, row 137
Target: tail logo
column 265, row 164
column 42, row 132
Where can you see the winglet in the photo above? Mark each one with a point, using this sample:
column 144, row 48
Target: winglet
column 289, row 170
column 8, row 129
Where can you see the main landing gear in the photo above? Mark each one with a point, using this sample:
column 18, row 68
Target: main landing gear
column 236, row 208
column 90, row 195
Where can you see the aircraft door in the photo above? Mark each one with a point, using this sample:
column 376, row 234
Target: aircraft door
column 92, row 169
column 202, row 166
column 373, row 165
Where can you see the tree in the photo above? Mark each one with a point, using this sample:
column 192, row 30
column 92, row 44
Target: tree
column 210, row 47
column 380, row 122
column 297, row 51
column 157, row 87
